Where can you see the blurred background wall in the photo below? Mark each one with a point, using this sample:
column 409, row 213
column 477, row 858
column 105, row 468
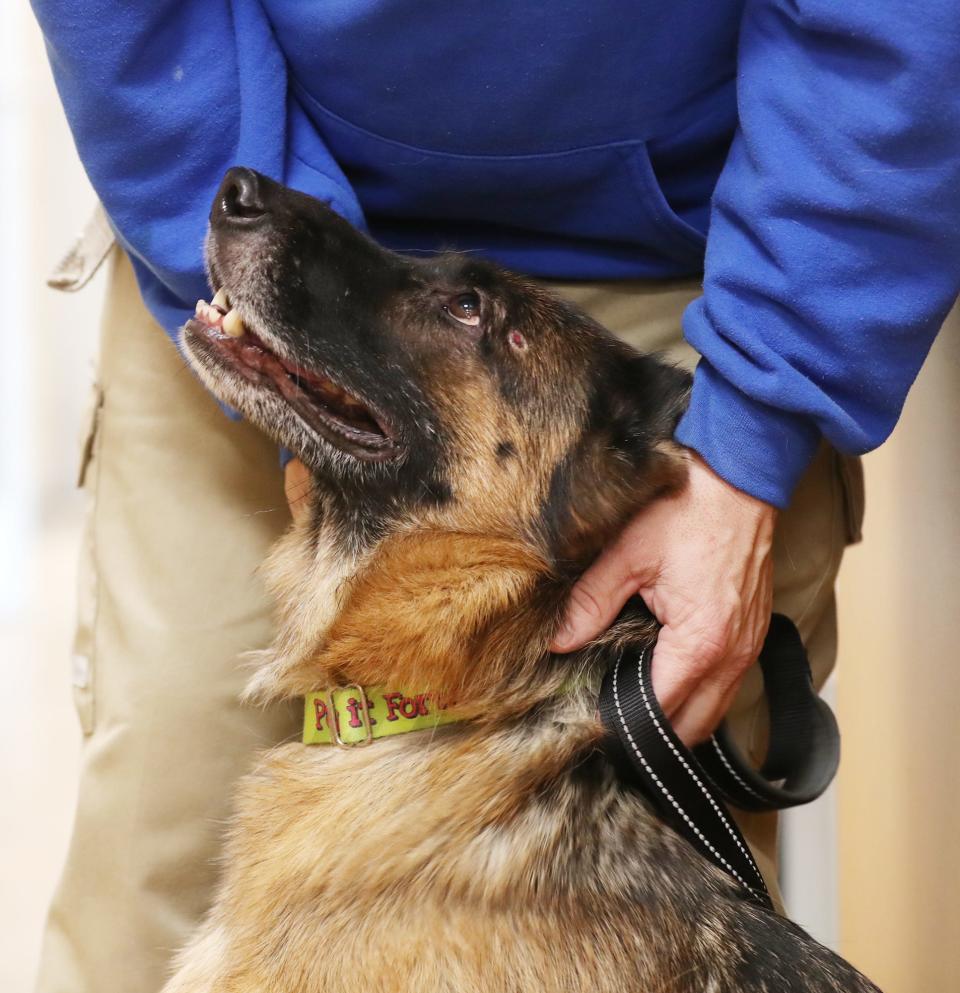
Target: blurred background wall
column 899, row 795
column 47, row 344
column 872, row 868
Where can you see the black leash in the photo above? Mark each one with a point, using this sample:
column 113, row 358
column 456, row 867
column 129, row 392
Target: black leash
column 690, row 789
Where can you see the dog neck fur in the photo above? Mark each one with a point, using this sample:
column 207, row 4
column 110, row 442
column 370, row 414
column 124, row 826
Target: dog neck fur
column 467, row 616
column 464, row 614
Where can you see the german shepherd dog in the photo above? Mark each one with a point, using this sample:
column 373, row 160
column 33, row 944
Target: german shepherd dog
column 473, row 442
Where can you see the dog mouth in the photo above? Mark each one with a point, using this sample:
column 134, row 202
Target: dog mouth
column 328, row 409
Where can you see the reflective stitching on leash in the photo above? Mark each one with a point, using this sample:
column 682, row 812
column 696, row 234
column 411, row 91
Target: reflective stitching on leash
column 693, row 775
column 732, row 771
column 693, row 827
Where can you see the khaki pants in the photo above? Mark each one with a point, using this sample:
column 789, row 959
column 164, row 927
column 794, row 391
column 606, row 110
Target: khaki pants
column 184, row 505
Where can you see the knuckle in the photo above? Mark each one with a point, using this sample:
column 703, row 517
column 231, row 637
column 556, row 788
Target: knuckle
column 710, row 648
column 586, row 601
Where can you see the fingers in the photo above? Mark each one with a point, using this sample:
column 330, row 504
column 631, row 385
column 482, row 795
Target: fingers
column 701, row 713
column 697, row 669
column 691, row 650
column 597, row 598
column 701, row 560
column 680, row 662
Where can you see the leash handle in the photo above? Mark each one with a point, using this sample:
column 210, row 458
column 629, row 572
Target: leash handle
column 690, row 789
column 803, row 751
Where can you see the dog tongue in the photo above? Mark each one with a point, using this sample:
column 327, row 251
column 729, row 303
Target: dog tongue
column 256, row 358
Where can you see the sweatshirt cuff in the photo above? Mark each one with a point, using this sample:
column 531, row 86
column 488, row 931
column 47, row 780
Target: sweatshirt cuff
column 758, row 449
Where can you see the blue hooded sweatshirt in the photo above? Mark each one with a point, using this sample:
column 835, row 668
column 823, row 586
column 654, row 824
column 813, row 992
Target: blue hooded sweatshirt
column 803, row 154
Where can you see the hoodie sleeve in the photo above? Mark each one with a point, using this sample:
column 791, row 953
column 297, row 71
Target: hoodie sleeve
column 162, row 98
column 834, row 248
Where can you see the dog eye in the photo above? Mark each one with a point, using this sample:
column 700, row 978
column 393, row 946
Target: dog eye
column 464, row 308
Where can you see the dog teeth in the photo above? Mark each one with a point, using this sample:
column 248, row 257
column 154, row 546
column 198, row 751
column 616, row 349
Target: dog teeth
column 206, row 313
column 233, row 325
column 221, row 300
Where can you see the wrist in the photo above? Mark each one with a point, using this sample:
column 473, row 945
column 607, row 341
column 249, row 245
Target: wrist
column 745, row 504
column 759, row 450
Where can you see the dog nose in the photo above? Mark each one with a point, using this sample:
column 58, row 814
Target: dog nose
column 240, row 199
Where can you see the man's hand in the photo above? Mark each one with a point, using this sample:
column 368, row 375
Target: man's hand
column 701, row 561
column 297, row 485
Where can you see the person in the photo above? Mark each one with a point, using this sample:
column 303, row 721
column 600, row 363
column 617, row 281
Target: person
column 783, row 173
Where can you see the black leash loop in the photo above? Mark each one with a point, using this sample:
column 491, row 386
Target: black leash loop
column 803, row 751
column 690, row 789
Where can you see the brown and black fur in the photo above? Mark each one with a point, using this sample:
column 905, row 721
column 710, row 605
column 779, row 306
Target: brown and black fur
column 501, row 853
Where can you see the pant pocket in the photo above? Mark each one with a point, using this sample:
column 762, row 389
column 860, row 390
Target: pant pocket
column 73, row 273
column 850, row 471
column 83, row 660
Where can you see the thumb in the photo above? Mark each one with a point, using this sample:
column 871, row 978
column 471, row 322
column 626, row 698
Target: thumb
column 596, row 599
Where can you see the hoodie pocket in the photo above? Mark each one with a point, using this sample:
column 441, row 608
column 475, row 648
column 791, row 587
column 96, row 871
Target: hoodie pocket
column 598, row 201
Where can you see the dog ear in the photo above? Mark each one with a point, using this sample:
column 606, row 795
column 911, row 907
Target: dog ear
column 624, row 457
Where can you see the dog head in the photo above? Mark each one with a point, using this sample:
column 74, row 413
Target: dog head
column 440, row 397
column 443, row 390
